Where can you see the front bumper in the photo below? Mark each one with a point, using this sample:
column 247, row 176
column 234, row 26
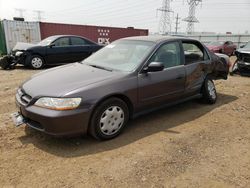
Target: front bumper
column 243, row 67
column 56, row 123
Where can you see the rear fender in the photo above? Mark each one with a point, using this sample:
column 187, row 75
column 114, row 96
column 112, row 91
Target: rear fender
column 220, row 64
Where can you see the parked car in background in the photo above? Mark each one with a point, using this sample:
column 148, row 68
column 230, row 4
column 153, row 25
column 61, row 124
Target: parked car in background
column 227, row 47
column 125, row 79
column 242, row 64
column 54, row 50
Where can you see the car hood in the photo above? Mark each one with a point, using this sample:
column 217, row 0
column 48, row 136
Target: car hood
column 244, row 50
column 22, row 46
column 57, row 82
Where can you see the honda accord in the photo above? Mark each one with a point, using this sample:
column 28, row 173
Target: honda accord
column 127, row 78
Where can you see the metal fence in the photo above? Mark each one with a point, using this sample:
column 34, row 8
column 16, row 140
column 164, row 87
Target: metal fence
column 237, row 39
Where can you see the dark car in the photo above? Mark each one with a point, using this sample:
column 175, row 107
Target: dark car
column 54, row 50
column 227, row 47
column 125, row 79
column 242, row 64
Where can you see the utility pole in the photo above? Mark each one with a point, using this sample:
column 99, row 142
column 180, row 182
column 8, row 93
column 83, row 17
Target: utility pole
column 191, row 19
column 177, row 23
column 39, row 14
column 21, row 11
column 165, row 21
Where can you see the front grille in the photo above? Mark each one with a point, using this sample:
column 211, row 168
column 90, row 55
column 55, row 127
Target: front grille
column 246, row 59
column 23, row 97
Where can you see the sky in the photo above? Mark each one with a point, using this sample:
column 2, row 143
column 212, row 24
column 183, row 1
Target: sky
column 218, row 16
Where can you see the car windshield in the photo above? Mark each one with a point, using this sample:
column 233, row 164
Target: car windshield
column 46, row 41
column 247, row 45
column 123, row 55
column 216, row 43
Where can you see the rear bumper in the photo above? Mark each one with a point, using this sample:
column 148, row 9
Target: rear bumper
column 56, row 123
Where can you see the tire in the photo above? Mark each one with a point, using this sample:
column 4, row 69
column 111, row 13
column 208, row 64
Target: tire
column 209, row 94
column 36, row 62
column 109, row 119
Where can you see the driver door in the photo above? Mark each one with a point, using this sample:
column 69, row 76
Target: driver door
column 59, row 52
column 166, row 85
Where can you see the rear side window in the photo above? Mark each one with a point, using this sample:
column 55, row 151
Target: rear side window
column 168, row 54
column 194, row 52
column 64, row 41
column 78, row 41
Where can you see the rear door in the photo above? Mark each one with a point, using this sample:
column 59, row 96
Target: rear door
column 80, row 48
column 167, row 85
column 196, row 65
column 59, row 51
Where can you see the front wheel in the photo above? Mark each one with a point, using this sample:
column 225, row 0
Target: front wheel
column 209, row 93
column 36, row 62
column 108, row 119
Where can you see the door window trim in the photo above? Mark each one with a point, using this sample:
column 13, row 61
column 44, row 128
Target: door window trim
column 199, row 45
column 157, row 48
column 61, row 46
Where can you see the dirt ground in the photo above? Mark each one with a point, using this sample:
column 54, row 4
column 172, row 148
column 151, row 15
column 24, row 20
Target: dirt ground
column 188, row 145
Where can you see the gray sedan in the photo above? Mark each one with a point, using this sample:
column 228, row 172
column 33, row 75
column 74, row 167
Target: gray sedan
column 127, row 78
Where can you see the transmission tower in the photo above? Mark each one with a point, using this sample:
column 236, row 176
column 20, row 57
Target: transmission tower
column 165, row 21
column 177, row 23
column 21, row 11
column 191, row 19
column 39, row 14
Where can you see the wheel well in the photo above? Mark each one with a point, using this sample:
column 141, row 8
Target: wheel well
column 119, row 96
column 28, row 58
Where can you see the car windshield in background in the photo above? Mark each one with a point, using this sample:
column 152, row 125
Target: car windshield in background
column 46, row 41
column 247, row 45
column 215, row 43
column 124, row 55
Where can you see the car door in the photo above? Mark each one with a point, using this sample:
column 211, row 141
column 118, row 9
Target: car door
column 80, row 48
column 196, row 64
column 166, row 85
column 59, row 51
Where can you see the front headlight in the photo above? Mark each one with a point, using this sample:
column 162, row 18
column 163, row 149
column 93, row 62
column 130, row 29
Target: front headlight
column 18, row 54
column 58, row 103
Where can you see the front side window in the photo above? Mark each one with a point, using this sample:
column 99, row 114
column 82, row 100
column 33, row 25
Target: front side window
column 76, row 41
column 168, row 54
column 62, row 42
column 194, row 52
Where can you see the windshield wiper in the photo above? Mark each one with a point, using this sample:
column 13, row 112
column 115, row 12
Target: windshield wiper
column 100, row 67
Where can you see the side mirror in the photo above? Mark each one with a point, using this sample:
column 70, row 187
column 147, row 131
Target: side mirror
column 242, row 46
column 154, row 67
column 51, row 45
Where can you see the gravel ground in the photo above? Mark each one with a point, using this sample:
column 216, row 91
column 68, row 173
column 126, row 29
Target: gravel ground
column 188, row 145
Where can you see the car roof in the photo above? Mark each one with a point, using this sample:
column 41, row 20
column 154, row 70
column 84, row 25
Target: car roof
column 157, row 38
column 59, row 36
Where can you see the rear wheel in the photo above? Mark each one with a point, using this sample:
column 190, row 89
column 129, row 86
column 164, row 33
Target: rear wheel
column 36, row 62
column 108, row 119
column 209, row 93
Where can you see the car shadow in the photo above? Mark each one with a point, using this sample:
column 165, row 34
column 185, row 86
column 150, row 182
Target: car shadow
column 139, row 128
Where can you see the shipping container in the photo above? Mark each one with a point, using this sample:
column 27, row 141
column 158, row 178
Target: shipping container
column 2, row 41
column 99, row 34
column 19, row 31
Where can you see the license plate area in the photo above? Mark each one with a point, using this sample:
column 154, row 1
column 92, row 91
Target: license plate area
column 18, row 119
